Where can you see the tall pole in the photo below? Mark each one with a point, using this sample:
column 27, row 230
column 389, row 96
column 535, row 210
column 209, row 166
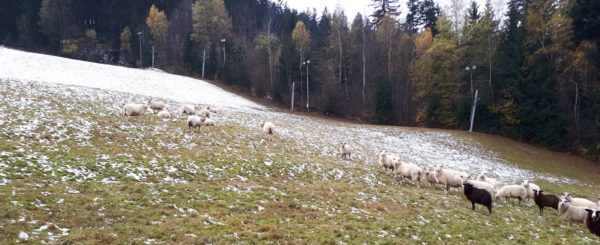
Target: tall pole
column 152, row 56
column 224, row 51
column 473, row 110
column 140, row 37
column 293, row 91
column 307, row 87
column 203, row 61
column 471, row 82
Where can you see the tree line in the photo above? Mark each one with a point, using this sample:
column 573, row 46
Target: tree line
column 535, row 67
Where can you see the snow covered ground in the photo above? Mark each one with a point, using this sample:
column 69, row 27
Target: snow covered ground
column 314, row 136
column 25, row 66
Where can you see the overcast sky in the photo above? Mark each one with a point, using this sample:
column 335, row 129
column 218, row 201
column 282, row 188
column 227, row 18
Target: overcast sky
column 351, row 7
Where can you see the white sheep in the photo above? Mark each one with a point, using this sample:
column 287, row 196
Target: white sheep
column 449, row 178
column 156, row 105
column 164, row 114
column 212, row 109
column 571, row 212
column 483, row 177
column 387, row 161
column 409, row 170
column 194, row 122
column 134, row 110
column 267, row 127
column 345, row 150
column 512, row 191
column 430, row 176
column 204, row 112
column 578, row 201
column 530, row 187
column 208, row 122
column 189, row 109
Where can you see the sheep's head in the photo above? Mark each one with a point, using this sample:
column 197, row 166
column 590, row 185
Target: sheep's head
column 383, row 154
column 262, row 123
column 592, row 213
column 536, row 192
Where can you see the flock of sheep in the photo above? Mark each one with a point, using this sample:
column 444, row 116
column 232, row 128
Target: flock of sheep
column 484, row 190
column 196, row 115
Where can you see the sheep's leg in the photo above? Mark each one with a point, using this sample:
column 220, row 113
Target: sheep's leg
column 490, row 208
column 473, row 204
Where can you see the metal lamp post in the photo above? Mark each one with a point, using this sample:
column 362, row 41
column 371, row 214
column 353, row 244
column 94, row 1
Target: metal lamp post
column 471, row 68
column 307, row 63
column 224, row 49
column 140, row 37
column 473, row 109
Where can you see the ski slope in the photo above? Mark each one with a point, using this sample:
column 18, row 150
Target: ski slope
column 25, row 66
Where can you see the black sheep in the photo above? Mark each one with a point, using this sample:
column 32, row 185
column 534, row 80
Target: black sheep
column 543, row 200
column 592, row 221
column 477, row 195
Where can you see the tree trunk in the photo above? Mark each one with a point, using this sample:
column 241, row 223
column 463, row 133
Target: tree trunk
column 490, row 70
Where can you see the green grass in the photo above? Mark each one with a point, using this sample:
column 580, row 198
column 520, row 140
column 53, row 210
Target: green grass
column 232, row 184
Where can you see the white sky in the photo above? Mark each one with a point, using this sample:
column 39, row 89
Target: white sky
column 351, row 7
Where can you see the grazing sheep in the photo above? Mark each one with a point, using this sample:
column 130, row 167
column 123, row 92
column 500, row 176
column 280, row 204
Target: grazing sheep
column 409, row 170
column 134, row 110
column 571, row 213
column 156, row 105
column 592, row 221
column 449, row 178
column 345, row 150
column 267, row 127
column 208, row 122
column 483, row 177
column 545, row 200
column 194, row 122
column 512, row 191
column 430, row 176
column 578, row 201
column 204, row 112
column 479, row 192
column 212, row 109
column 189, row 109
column 164, row 114
column 387, row 161
column 530, row 187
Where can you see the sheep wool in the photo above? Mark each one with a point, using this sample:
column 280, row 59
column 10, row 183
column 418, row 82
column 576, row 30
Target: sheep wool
column 267, row 127
column 156, row 105
column 512, row 191
column 478, row 195
column 189, row 109
column 573, row 214
column 164, row 114
column 345, row 150
column 134, row 110
column 545, row 200
column 592, row 221
column 193, row 122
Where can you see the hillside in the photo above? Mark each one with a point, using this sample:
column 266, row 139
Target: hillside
column 73, row 170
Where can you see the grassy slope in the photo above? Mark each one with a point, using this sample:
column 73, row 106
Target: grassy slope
column 231, row 183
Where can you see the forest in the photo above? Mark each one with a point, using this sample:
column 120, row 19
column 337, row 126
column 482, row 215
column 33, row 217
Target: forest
column 535, row 67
